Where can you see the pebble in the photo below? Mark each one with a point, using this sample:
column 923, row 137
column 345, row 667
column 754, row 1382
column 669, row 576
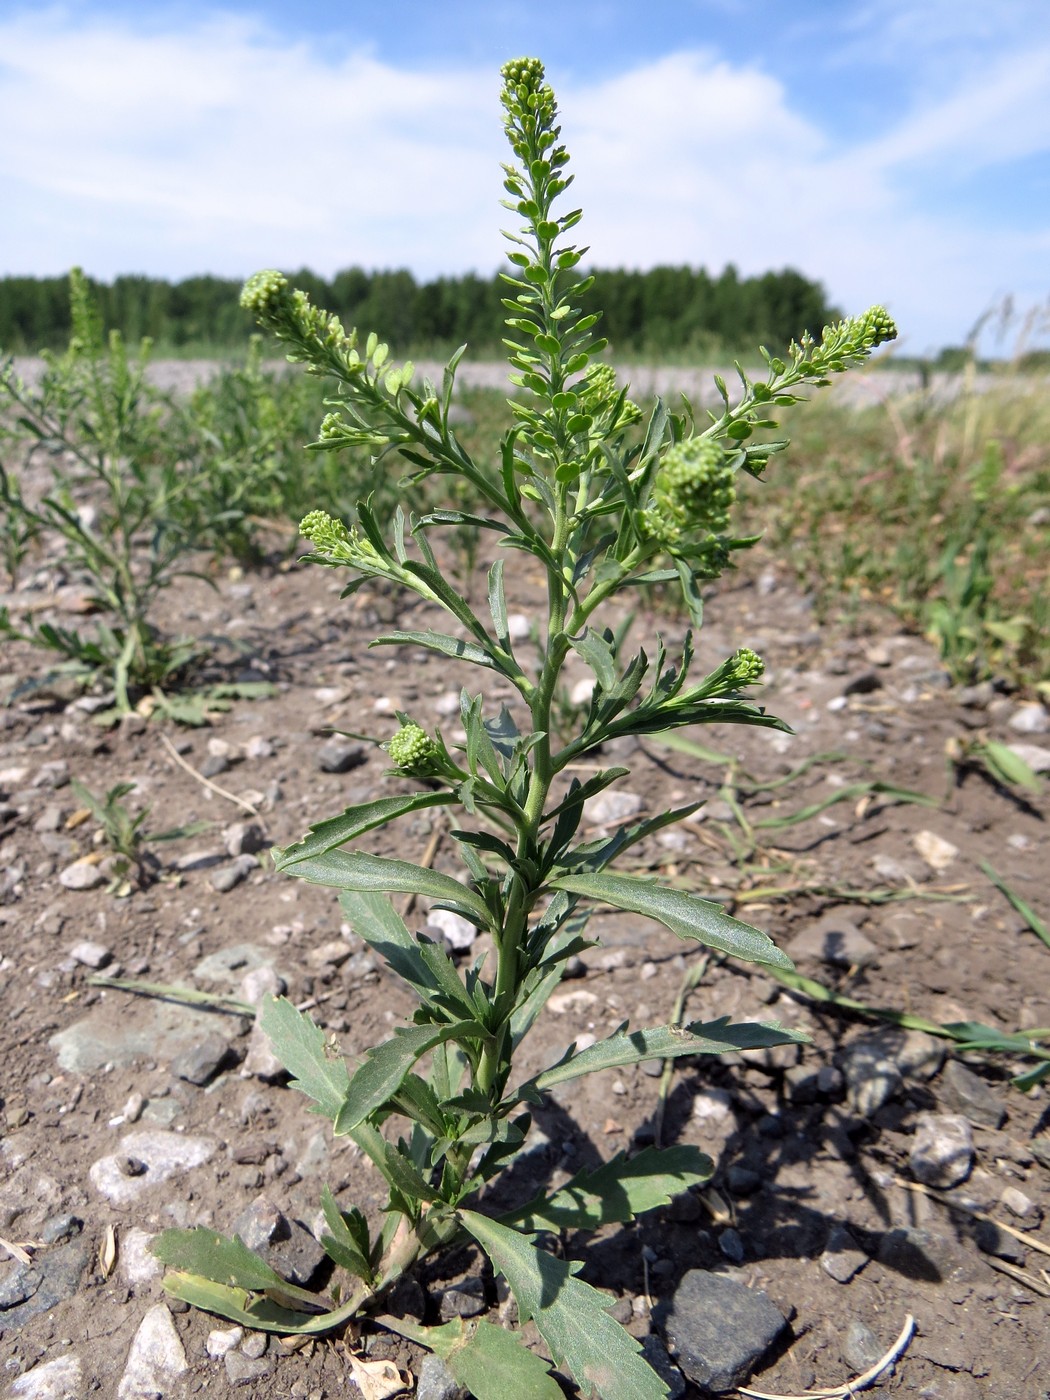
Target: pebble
column 1038, row 759
column 286, row 1245
column 571, row 1001
column 842, row 1260
column 861, row 1348
column 201, row 1062
column 464, row 1299
column 731, row 1244
column 61, row 1379
column 339, row 755
column 656, row 1355
column 244, row 838
column 836, row 941
column 962, row 1091
column 259, row 747
column 260, row 1061
column 718, row 1328
column 243, row 1370
column 713, row 1106
column 261, row 983
column 613, row 806
column 436, row 1381
column 163, row 1154
column 942, row 1152
column 935, row 850
column 81, row 875
column 1017, row 1203
column 230, row 876
column 156, row 1357
column 582, row 691
column 864, row 683
column 1029, row 719
column 458, row 933
column 90, row 954
column 138, row 1266
column 222, row 1340
column 254, row 1345
column 518, row 627
column 872, row 1077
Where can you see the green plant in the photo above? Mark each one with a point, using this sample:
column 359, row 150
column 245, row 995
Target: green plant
column 102, row 432
column 601, row 508
column 122, row 832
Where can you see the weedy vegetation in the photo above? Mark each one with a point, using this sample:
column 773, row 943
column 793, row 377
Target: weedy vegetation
column 606, row 505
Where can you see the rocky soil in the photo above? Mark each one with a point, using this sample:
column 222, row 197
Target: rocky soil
column 858, row 1180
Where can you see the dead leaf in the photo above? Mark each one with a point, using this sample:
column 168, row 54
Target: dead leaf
column 107, row 1252
column 77, row 818
column 16, row 1251
column 378, row 1379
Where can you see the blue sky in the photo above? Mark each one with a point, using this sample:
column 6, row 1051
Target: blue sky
column 896, row 150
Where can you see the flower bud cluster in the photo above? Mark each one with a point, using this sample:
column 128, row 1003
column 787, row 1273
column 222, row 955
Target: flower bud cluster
column 848, row 342
column 748, row 666
column 265, row 293
column 411, row 749
column 692, row 494
column 322, row 530
column 599, row 394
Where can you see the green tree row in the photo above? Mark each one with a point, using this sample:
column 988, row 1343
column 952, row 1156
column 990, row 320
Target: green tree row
column 666, row 310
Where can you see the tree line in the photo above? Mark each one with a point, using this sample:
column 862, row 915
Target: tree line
column 662, row 311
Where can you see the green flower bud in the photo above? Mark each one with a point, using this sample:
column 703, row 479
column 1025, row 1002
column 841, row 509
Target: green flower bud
column 748, row 665
column 524, row 73
column 332, row 426
column 693, row 492
column 322, row 530
column 878, row 326
column 412, row 749
column 264, row 293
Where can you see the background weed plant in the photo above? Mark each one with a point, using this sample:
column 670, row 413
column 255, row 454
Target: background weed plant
column 603, row 511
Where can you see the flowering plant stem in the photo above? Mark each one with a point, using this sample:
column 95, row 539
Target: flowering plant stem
column 602, row 503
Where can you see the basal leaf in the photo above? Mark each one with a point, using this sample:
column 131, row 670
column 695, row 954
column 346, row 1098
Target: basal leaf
column 336, row 831
column 489, row 1361
column 684, row 914
column 355, row 870
column 618, row 1191
column 346, row 1241
column 570, row 1315
column 300, row 1047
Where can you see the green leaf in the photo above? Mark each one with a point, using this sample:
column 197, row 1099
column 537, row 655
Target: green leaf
column 1008, row 766
column 663, row 1043
column 438, row 641
column 386, row 1065
column 300, row 1047
column 229, row 1262
column 346, row 1242
column 354, row 821
column 355, row 870
column 260, row 1313
column 570, row 1315
column 489, row 1361
column 684, row 914
column 617, row 1191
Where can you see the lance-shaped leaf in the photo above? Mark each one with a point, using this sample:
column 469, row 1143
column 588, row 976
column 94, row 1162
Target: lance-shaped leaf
column 337, row 831
column 570, row 1315
column 662, row 1043
column 489, row 1361
column 346, row 1241
column 438, row 641
column 617, row 1191
column 204, row 1254
column 684, row 914
column 300, row 1047
column 385, row 1067
column 355, row 870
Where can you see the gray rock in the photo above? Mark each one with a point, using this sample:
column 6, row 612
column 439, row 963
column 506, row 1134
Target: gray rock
column 1021, row 1205
column 144, row 1029
column 1030, row 719
column 258, row 746
column 993, row 1239
column 339, row 755
column 156, row 1358
column 138, row 1266
column 162, row 1154
column 872, row 1077
column 202, row 1062
column 731, row 1245
column 244, row 839
column 864, row 683
column 254, row 1345
column 961, row 1091
column 942, row 1151
column 1038, row 759
column 834, row 940
column 286, row 1245
column 718, row 1328
column 436, row 1381
column 223, row 1339
column 260, row 1060
column 463, row 1299
column 842, row 1260
column 81, row 875
column 90, row 954
column 458, row 933
column 655, row 1353
column 612, row 806
column 260, row 984
column 230, row 965
column 243, row 1370
column 28, row 1289
column 61, row 1379
column 861, row 1348
column 228, row 877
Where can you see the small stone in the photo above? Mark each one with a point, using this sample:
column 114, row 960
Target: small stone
column 333, row 953
column 731, row 1244
column 861, row 1348
column 713, row 1106
column 258, row 747
column 942, row 1151
column 132, row 1110
column 719, row 1329
column 872, row 1077
column 244, row 838
column 254, row 1345
column 962, row 1091
column 935, row 850
column 582, row 691
column 656, row 1355
column 214, row 766
column 339, row 755
column 613, row 806
column 286, row 1245
column 518, row 627
column 1029, row 719
column 436, row 1381
column 260, row 1060
column 61, row 1379
column 458, row 933
column 571, row 1001
column 991, row 1238
column 163, row 1154
column 842, row 1260
column 834, row 940
column 138, row 1266
column 230, row 876
column 864, row 683
column 1038, row 759
column 261, row 983
column 243, row 1370
column 925, row 1255
column 1020, row 1205
column 222, row 1340
column 878, row 655
column 81, row 875
column 90, row 954
column 463, row 1299
column 742, row 1181
column 202, row 1062
column 156, row 1357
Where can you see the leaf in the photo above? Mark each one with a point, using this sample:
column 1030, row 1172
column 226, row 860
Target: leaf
column 377, row 1380
column 570, row 1315
column 684, row 914
column 354, row 870
column 346, row 1242
column 231, row 1263
column 300, row 1046
column 261, row 1313
column 386, row 1065
column 336, row 831
column 438, row 641
column 663, row 1043
column 373, row 918
column 617, row 1191
column 486, row 1360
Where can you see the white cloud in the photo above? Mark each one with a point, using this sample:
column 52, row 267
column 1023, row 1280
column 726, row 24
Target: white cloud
column 221, row 147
